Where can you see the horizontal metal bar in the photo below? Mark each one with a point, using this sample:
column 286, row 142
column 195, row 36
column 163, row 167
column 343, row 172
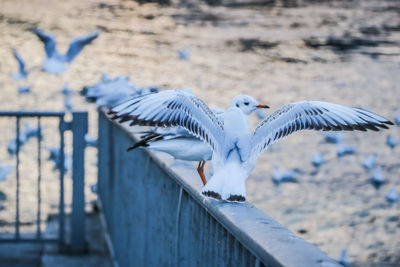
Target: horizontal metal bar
column 26, row 237
column 32, row 113
column 33, row 240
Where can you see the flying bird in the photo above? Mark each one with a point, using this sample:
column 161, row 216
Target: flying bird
column 22, row 73
column 182, row 145
column 235, row 148
column 55, row 62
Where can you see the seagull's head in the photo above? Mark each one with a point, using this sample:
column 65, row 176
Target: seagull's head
column 246, row 104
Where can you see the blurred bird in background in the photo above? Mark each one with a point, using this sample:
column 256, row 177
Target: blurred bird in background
column 377, row 178
column 55, row 62
column 22, row 73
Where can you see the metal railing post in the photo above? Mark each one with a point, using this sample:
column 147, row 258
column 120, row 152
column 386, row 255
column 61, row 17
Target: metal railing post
column 79, row 130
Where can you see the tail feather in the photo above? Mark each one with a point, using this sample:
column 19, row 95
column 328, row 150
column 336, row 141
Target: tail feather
column 227, row 184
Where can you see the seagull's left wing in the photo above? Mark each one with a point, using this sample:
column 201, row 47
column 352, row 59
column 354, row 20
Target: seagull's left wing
column 173, row 108
column 20, row 61
column 77, row 44
column 311, row 115
column 48, row 40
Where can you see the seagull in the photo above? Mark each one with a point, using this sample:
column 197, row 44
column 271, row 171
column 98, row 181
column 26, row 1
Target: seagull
column 392, row 196
column 397, row 119
column 22, row 73
column 261, row 114
column 55, row 62
column 391, row 141
column 182, row 145
column 110, row 91
column 377, row 178
column 184, row 54
column 279, row 176
column 12, row 145
column 90, row 141
column 317, row 160
column 343, row 259
column 369, row 161
column 33, row 131
column 235, row 148
column 5, row 170
column 343, row 150
column 68, row 103
column 334, row 138
column 66, row 90
column 148, row 90
column 24, row 89
column 55, row 157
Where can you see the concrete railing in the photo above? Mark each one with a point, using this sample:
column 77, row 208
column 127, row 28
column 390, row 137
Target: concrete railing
column 157, row 217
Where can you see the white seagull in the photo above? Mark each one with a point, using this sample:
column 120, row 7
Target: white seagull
column 182, row 145
column 235, row 148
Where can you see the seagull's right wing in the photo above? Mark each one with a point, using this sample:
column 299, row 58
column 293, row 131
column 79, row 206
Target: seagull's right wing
column 77, row 44
column 311, row 115
column 48, row 40
column 173, row 108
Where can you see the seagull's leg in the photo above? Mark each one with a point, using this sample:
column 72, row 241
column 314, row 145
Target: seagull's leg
column 200, row 170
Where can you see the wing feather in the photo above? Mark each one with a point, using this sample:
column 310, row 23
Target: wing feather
column 311, row 115
column 173, row 108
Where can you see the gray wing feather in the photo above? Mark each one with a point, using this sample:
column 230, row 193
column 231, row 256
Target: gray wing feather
column 312, row 115
column 173, row 108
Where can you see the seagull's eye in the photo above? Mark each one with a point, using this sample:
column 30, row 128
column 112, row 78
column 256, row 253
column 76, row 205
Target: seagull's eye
column 237, row 104
column 246, row 103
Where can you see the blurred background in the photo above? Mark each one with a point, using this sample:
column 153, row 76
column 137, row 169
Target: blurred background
column 342, row 190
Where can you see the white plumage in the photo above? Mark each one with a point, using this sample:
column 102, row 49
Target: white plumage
column 182, row 145
column 235, row 148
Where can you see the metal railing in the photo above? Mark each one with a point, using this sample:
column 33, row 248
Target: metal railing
column 78, row 126
column 155, row 217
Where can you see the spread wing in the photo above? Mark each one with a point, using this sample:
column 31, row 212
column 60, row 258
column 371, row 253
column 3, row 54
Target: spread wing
column 77, row 44
column 312, row 115
column 48, row 40
column 20, row 61
column 173, row 108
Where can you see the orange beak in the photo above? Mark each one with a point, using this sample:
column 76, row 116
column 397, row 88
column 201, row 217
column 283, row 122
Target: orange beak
column 262, row 106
